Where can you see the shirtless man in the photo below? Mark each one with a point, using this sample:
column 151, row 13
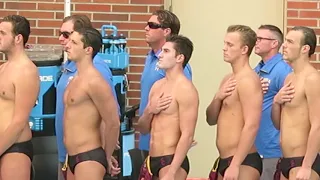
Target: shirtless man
column 171, row 113
column 88, row 99
column 295, row 110
column 19, row 90
column 236, row 109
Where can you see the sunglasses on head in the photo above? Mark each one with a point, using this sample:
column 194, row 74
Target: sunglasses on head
column 153, row 25
column 65, row 34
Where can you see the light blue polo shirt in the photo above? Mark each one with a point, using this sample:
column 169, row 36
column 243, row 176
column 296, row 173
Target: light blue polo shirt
column 267, row 140
column 69, row 70
column 149, row 76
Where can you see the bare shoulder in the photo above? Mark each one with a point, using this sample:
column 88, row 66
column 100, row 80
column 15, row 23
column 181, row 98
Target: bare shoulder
column 186, row 91
column 158, row 83
column 225, row 78
column 288, row 78
column 313, row 79
column 95, row 79
column 27, row 70
column 250, row 79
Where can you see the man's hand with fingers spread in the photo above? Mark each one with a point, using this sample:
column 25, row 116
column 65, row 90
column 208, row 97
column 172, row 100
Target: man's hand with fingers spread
column 265, row 82
column 286, row 94
column 160, row 103
column 226, row 89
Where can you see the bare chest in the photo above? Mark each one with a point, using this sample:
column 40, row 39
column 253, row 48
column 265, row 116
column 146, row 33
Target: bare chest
column 167, row 91
column 76, row 92
column 6, row 85
column 231, row 100
column 299, row 96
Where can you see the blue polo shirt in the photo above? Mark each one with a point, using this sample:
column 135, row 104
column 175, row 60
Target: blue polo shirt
column 149, row 76
column 267, row 140
column 69, row 71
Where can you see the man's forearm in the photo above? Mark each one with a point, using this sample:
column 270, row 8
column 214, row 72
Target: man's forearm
column 276, row 115
column 144, row 122
column 181, row 151
column 246, row 142
column 313, row 147
column 10, row 136
column 111, row 141
column 213, row 111
column 103, row 134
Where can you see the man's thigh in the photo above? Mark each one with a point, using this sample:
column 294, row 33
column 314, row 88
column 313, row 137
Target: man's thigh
column 269, row 168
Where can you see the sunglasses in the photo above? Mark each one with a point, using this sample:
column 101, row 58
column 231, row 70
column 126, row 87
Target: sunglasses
column 65, row 34
column 153, row 25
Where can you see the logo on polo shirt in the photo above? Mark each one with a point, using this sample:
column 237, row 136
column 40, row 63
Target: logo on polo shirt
column 69, row 79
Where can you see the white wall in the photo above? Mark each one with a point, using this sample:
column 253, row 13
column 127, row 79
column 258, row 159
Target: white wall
column 205, row 22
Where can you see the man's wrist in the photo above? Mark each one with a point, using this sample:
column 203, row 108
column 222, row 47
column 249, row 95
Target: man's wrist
column 172, row 171
column 276, row 102
column 148, row 111
column 235, row 164
column 216, row 97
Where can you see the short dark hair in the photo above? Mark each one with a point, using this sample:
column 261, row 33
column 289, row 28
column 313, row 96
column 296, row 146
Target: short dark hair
column 79, row 21
column 182, row 45
column 20, row 25
column 309, row 38
column 275, row 30
column 168, row 20
column 248, row 36
column 91, row 38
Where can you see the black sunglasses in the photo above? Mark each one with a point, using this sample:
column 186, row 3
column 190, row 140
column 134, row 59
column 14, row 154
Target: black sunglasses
column 65, row 34
column 153, row 25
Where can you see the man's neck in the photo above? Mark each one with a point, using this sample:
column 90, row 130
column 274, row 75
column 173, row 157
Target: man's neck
column 174, row 73
column 16, row 54
column 240, row 64
column 157, row 46
column 268, row 56
column 299, row 64
column 83, row 64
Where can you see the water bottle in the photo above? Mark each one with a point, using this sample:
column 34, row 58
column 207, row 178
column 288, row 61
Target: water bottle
column 116, row 45
column 123, row 42
column 107, row 44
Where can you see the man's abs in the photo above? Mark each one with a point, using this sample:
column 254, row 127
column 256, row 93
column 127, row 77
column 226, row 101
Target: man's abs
column 165, row 135
column 295, row 124
column 295, row 128
column 81, row 128
column 229, row 126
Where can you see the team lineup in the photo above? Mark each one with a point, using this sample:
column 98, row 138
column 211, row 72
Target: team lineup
column 271, row 109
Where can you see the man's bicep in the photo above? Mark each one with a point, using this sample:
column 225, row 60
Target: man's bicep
column 26, row 93
column 313, row 98
column 105, row 73
column 188, row 111
column 251, row 99
column 101, row 95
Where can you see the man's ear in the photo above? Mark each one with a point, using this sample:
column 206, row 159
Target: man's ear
column 305, row 49
column 275, row 44
column 89, row 50
column 18, row 39
column 180, row 58
column 167, row 32
column 245, row 49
